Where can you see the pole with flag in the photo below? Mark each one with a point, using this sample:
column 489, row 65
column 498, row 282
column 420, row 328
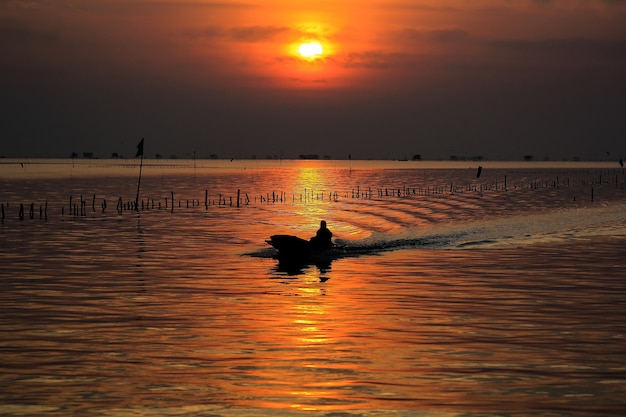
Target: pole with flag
column 139, row 153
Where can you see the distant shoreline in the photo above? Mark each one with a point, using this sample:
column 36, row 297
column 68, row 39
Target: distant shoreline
column 44, row 168
column 122, row 161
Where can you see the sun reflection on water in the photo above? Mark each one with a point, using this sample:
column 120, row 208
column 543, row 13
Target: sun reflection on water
column 315, row 343
column 316, row 189
column 308, row 316
column 312, row 184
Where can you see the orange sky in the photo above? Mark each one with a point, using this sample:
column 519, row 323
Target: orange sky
column 389, row 53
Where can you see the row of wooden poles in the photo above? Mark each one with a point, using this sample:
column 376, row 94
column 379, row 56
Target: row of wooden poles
column 80, row 208
column 42, row 209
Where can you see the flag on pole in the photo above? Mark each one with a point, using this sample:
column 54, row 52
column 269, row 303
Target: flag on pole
column 139, row 153
column 139, row 148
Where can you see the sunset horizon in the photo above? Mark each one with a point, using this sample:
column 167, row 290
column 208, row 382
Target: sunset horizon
column 375, row 80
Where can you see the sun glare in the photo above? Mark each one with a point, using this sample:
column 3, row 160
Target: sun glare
column 310, row 50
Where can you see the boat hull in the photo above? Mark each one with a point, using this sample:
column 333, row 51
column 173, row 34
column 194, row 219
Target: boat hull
column 296, row 248
column 295, row 253
column 290, row 245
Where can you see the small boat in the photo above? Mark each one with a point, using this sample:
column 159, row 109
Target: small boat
column 295, row 253
column 294, row 247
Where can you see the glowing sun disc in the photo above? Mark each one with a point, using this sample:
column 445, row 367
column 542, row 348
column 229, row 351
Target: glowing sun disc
column 310, row 50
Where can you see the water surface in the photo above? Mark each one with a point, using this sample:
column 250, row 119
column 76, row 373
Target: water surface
column 471, row 297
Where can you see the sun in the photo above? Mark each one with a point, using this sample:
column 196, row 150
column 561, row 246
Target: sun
column 310, row 50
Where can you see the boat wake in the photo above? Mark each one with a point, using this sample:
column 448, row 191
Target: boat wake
column 498, row 232
column 371, row 246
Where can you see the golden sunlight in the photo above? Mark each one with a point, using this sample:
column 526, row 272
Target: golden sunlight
column 310, row 50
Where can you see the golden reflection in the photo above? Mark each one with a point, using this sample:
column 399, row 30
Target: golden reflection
column 311, row 291
column 310, row 309
column 313, row 188
column 318, row 189
column 301, row 407
column 309, row 320
column 311, row 177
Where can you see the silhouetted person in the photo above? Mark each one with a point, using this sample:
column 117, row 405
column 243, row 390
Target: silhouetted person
column 323, row 237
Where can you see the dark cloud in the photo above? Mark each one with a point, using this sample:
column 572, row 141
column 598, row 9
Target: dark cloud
column 610, row 50
column 415, row 6
column 31, row 4
column 304, row 81
column 209, row 32
column 273, row 33
column 376, row 60
column 16, row 32
column 148, row 6
column 246, row 34
column 257, row 33
column 438, row 35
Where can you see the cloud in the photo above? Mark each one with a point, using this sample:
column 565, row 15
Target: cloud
column 211, row 32
column 305, row 81
column 257, row 33
column 31, row 4
column 437, row 35
column 244, row 34
column 611, row 50
column 19, row 33
column 416, row 6
column 376, row 60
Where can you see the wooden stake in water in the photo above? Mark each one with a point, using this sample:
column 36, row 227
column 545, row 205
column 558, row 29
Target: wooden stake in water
column 139, row 153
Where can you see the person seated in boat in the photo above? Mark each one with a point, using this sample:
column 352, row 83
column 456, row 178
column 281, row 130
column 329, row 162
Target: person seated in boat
column 323, row 237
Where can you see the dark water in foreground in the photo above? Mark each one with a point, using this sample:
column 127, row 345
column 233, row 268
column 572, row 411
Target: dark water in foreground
column 473, row 300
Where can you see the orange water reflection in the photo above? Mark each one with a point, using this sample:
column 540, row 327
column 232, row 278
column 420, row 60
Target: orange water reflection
column 313, row 185
column 309, row 321
column 168, row 315
column 317, row 188
column 369, row 338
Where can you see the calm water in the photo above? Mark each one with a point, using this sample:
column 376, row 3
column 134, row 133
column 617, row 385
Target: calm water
column 490, row 296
